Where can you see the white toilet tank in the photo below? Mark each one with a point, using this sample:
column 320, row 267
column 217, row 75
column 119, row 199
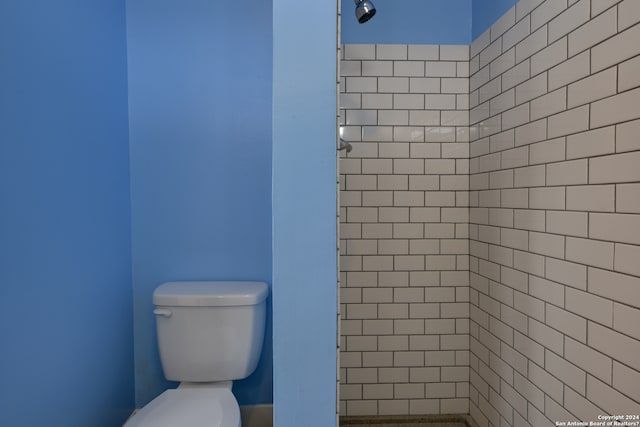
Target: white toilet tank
column 210, row 331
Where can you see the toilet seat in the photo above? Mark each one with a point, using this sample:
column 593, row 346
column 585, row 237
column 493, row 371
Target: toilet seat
column 189, row 407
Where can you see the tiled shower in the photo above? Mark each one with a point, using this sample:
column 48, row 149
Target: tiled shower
column 490, row 220
column 405, row 227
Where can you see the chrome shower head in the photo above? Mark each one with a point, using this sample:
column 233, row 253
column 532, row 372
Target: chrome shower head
column 364, row 10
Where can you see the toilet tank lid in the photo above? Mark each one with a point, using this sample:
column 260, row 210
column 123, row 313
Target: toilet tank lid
column 210, row 293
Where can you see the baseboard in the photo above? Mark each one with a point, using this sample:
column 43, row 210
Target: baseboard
column 257, row 415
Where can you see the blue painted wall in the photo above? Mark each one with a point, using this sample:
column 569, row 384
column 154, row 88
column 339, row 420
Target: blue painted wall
column 200, row 136
column 410, row 22
column 486, row 12
column 66, row 357
column 304, row 213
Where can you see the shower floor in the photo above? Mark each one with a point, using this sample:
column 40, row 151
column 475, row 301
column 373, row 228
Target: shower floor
column 415, row 421
column 430, row 424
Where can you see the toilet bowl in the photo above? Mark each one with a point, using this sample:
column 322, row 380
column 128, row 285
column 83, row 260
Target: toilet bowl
column 209, row 334
column 202, row 406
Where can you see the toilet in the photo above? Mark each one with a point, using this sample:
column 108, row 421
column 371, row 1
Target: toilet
column 209, row 334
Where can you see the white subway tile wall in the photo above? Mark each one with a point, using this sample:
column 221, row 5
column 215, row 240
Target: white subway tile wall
column 555, row 312
column 490, row 220
column 405, row 248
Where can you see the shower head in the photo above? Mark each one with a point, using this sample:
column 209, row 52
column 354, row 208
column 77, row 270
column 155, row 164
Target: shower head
column 364, row 10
